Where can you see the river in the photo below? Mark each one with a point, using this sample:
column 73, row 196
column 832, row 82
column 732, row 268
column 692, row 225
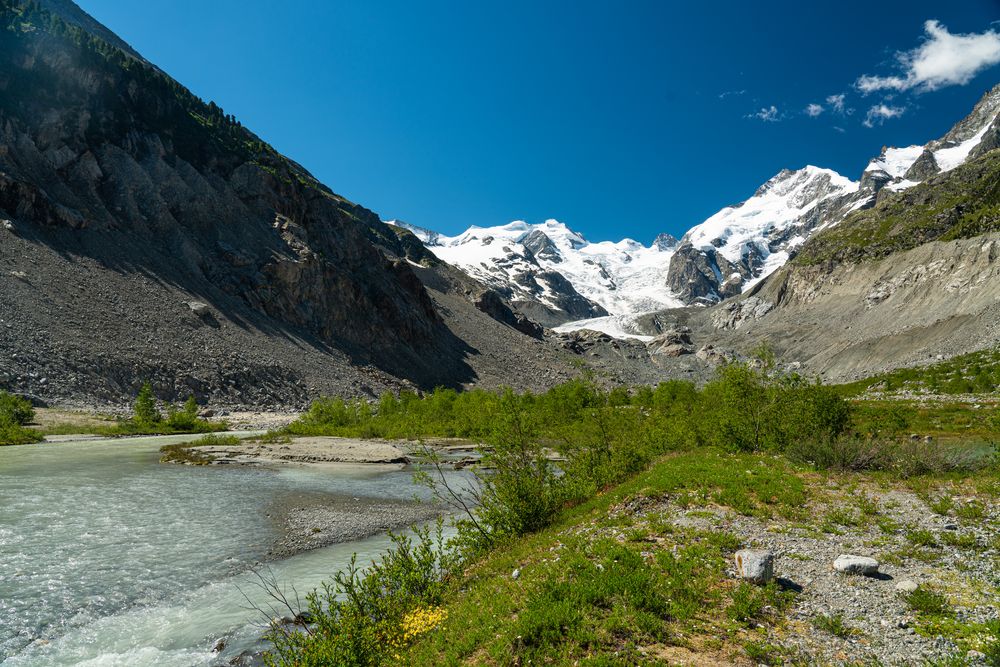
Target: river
column 108, row 557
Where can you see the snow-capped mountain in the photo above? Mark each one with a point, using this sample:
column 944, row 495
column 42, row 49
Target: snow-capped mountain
column 741, row 245
column 556, row 277
column 979, row 132
column 553, row 274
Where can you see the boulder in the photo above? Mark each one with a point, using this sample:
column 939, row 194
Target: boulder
column 755, row 566
column 907, row 586
column 850, row 564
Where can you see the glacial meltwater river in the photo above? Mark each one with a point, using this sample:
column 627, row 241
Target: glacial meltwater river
column 108, row 557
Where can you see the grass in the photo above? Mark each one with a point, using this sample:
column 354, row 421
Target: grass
column 976, row 372
column 582, row 593
column 928, row 603
column 971, row 511
column 921, row 538
column 959, row 540
column 834, row 625
column 16, row 434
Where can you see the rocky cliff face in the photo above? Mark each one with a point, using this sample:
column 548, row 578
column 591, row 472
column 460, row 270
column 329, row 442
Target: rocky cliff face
column 911, row 278
column 107, row 162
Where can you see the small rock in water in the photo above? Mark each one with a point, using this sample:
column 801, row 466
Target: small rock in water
column 907, row 586
column 849, row 564
column 515, row 574
column 755, row 566
column 219, row 646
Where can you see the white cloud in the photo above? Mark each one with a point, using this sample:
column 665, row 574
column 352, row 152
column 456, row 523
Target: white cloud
column 732, row 93
column 880, row 113
column 766, row 114
column 836, row 102
column 814, row 110
column 943, row 59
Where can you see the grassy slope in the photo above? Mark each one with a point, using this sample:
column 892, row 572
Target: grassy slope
column 615, row 582
column 603, row 588
column 962, row 203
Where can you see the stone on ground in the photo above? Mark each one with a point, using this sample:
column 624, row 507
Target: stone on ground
column 850, row 564
column 755, row 566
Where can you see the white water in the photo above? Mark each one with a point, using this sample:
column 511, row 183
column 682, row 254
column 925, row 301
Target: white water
column 108, row 557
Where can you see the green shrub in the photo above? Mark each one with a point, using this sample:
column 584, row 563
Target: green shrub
column 15, row 410
column 753, row 409
column 15, row 434
column 834, row 624
column 928, row 603
column 185, row 418
column 358, row 618
column 752, row 603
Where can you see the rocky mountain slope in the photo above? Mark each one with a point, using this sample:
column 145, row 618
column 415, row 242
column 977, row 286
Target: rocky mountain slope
column 545, row 269
column 147, row 234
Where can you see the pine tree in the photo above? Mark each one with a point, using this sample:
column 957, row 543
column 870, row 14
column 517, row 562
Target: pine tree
column 145, row 410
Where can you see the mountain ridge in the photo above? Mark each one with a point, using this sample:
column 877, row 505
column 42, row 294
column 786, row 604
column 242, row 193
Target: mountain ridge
column 724, row 256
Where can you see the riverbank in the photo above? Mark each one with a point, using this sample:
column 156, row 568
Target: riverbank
column 312, row 450
column 313, row 520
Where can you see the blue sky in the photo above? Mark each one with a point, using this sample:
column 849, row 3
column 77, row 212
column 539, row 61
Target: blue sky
column 620, row 119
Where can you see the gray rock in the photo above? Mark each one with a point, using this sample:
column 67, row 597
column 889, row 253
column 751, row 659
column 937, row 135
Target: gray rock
column 198, row 308
column 516, row 574
column 755, row 566
column 850, row 564
column 907, row 586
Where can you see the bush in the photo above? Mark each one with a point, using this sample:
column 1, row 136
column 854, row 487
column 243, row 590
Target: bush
column 185, row 418
column 904, row 458
column 752, row 409
column 15, row 434
column 362, row 618
column 15, row 410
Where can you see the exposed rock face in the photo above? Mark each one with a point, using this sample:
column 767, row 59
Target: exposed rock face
column 733, row 314
column 744, row 243
column 110, row 169
column 490, row 303
column 755, row 566
column 672, row 343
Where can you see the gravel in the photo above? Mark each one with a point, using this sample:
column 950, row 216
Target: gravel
column 886, row 629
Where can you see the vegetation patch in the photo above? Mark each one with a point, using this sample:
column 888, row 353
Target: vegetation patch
column 973, row 373
column 188, row 453
column 15, row 414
